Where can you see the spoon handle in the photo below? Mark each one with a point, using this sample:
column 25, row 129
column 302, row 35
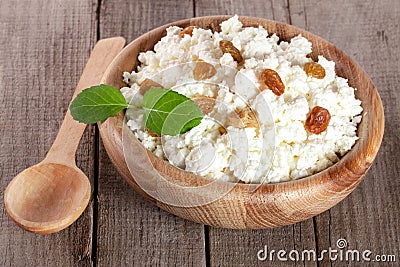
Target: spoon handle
column 64, row 147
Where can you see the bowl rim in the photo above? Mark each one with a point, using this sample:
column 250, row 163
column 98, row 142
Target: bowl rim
column 330, row 175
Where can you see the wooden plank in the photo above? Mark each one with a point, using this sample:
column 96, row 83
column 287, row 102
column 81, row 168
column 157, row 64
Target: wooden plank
column 240, row 248
column 271, row 9
column 138, row 17
column 43, row 49
column 132, row 231
column 369, row 32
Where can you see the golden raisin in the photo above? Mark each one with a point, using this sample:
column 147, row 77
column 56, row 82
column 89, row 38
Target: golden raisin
column 222, row 130
column 148, row 84
column 318, row 120
column 206, row 104
column 211, row 87
column 248, row 117
column 244, row 118
column 273, row 81
column 188, row 30
column 314, row 69
column 228, row 47
column 203, row 70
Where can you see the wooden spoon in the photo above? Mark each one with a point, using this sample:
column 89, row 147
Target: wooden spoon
column 51, row 195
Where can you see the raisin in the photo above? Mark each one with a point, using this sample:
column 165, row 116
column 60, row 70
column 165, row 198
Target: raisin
column 228, row 47
column 188, row 30
column 248, row 117
column 244, row 118
column 314, row 69
column 222, row 130
column 318, row 120
column 206, row 104
column 273, row 81
column 148, row 84
column 203, row 70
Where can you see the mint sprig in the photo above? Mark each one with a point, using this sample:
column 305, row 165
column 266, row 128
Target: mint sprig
column 165, row 111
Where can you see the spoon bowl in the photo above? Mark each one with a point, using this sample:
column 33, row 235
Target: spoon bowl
column 51, row 195
column 47, row 196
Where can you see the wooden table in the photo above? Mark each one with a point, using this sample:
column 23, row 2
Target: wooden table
column 43, row 48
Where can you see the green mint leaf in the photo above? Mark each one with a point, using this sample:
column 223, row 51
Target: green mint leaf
column 165, row 111
column 170, row 113
column 97, row 103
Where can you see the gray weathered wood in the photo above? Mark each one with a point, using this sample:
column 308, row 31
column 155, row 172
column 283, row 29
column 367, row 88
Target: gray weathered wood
column 132, row 231
column 240, row 247
column 43, row 46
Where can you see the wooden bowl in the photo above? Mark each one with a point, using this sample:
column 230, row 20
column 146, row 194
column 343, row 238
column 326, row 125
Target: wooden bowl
column 245, row 205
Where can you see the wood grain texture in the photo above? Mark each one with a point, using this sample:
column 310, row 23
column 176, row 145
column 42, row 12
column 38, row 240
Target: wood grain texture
column 147, row 235
column 44, row 47
column 369, row 32
column 240, row 247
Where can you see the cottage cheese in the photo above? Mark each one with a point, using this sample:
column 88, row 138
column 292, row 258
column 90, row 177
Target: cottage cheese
column 280, row 148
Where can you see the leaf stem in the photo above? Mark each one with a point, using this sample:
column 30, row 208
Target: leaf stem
column 133, row 106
